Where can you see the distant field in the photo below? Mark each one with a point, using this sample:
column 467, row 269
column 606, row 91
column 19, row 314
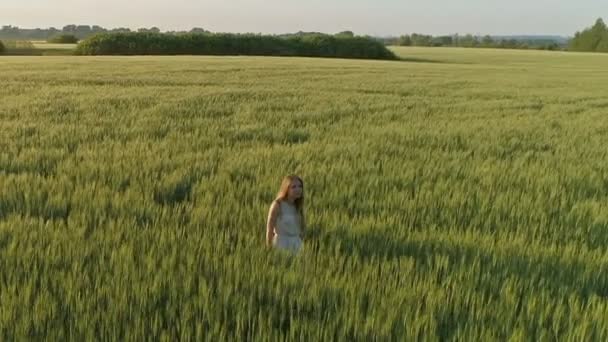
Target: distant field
column 460, row 196
column 37, row 48
column 45, row 45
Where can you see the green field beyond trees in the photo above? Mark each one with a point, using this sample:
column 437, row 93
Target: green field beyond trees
column 462, row 195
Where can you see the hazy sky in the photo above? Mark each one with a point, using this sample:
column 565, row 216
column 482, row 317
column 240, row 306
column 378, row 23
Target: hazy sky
column 375, row 17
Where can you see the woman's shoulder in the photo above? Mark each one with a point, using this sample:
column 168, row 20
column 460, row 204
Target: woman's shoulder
column 276, row 204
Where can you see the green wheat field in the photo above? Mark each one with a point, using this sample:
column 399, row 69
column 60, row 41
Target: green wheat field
column 460, row 194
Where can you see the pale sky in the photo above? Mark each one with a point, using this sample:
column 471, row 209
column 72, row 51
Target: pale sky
column 374, row 17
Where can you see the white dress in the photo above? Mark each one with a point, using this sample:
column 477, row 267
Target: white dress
column 287, row 228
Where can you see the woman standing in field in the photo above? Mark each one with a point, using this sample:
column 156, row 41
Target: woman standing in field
column 285, row 225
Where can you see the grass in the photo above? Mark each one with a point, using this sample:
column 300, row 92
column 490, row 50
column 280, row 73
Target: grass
column 460, row 199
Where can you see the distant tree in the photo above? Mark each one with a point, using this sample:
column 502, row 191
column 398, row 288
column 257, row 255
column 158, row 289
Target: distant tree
column 64, row 39
column 389, row 41
column 468, row 41
column 591, row 39
column 346, row 34
column 442, row 41
column 10, row 32
column 98, row 29
column 83, row 29
column 487, row 41
column 602, row 46
column 150, row 30
column 120, row 29
column 421, row 39
column 405, row 40
column 552, row 46
column 69, row 29
column 2, row 48
column 198, row 30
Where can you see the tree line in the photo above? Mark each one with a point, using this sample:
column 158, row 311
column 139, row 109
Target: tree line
column 9, row 32
column 469, row 40
column 593, row 39
column 342, row 45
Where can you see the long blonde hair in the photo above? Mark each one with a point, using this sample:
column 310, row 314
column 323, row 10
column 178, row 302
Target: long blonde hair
column 284, row 190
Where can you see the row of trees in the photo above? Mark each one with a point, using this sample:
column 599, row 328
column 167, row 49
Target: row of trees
column 475, row 41
column 301, row 44
column 64, row 39
column 593, row 39
column 9, row 32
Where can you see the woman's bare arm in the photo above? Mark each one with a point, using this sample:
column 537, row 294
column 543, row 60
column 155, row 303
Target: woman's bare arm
column 271, row 221
column 303, row 228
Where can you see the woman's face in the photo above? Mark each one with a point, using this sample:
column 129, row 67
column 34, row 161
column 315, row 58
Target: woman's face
column 295, row 189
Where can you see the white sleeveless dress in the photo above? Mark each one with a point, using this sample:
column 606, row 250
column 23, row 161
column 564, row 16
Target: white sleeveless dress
column 287, row 228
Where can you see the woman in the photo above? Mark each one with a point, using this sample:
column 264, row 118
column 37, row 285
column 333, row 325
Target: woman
column 285, row 225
